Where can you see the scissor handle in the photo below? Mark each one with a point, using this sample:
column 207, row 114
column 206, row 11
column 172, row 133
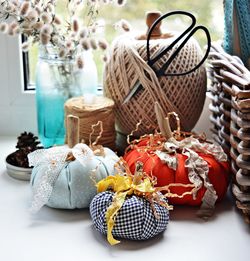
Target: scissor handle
column 190, row 29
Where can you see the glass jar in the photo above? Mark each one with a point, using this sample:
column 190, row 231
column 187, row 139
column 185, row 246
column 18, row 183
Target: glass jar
column 57, row 80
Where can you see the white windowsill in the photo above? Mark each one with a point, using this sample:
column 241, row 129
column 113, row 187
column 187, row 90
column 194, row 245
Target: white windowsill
column 69, row 235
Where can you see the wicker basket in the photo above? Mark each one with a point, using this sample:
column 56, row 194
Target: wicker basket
column 230, row 108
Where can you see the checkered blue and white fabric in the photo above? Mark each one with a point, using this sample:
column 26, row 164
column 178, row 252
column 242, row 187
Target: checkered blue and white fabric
column 135, row 220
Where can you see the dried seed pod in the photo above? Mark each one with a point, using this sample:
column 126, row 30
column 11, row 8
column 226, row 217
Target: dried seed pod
column 80, row 62
column 85, row 44
column 57, row 20
column 24, row 8
column 4, row 27
column 46, row 17
column 46, row 29
column 103, row 44
column 75, row 25
column 83, row 32
column 32, row 16
column 45, row 38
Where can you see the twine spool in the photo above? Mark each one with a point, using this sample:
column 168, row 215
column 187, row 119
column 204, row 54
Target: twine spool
column 184, row 95
column 101, row 109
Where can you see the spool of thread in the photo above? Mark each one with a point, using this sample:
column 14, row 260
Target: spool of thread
column 101, row 109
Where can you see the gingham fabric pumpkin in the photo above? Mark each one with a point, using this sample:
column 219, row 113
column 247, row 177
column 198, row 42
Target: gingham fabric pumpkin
column 129, row 207
column 135, row 220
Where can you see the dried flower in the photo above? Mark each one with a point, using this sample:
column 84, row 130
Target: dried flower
column 105, row 58
column 46, row 29
column 121, row 2
column 10, row 8
column 15, row 2
column 123, row 24
column 85, row 44
column 37, row 20
column 62, row 53
column 10, row 31
column 83, row 32
column 32, row 16
column 17, row 30
column 38, row 9
column 24, row 8
column 51, row 8
column 75, row 25
column 13, row 25
column 55, row 39
column 103, row 44
column 38, row 25
column 4, row 27
column 57, row 20
column 79, row 62
column 93, row 29
column 46, row 17
column 45, row 38
column 69, row 44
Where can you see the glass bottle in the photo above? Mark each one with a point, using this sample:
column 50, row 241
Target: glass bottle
column 57, row 80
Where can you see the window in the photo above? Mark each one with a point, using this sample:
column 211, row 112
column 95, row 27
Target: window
column 17, row 71
column 207, row 12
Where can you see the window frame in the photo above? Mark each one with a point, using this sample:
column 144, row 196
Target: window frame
column 17, row 107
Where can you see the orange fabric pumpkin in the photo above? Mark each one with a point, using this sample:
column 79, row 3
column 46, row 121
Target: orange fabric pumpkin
column 153, row 165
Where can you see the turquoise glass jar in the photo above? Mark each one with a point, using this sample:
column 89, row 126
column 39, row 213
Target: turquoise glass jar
column 57, row 80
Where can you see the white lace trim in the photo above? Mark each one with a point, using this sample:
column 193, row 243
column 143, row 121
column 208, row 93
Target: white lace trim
column 54, row 160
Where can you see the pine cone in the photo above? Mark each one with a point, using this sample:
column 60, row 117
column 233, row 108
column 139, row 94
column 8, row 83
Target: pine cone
column 26, row 144
column 27, row 140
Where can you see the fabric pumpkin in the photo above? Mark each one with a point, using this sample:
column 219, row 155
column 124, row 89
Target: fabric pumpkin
column 59, row 182
column 196, row 171
column 129, row 206
column 218, row 172
column 135, row 220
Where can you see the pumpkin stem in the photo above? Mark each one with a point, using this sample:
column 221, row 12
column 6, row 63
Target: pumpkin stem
column 163, row 122
column 72, row 130
column 138, row 173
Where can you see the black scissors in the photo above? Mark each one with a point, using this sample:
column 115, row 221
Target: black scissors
column 184, row 37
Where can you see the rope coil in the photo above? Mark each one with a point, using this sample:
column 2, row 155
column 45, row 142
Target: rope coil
column 128, row 64
column 101, row 110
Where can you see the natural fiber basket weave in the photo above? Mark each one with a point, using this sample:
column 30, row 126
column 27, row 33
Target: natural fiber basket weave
column 183, row 94
column 230, row 107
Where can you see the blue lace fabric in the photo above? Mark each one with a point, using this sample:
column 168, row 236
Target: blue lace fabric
column 240, row 11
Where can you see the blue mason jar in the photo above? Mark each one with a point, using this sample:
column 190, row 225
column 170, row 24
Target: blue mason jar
column 57, row 80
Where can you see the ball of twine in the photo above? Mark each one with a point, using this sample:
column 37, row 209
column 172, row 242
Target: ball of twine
column 184, row 95
column 101, row 109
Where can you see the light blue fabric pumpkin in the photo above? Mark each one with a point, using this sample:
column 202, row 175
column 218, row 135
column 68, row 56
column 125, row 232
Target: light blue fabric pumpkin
column 74, row 186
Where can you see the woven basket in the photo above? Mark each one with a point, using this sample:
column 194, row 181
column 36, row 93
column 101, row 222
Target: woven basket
column 183, row 94
column 230, row 108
